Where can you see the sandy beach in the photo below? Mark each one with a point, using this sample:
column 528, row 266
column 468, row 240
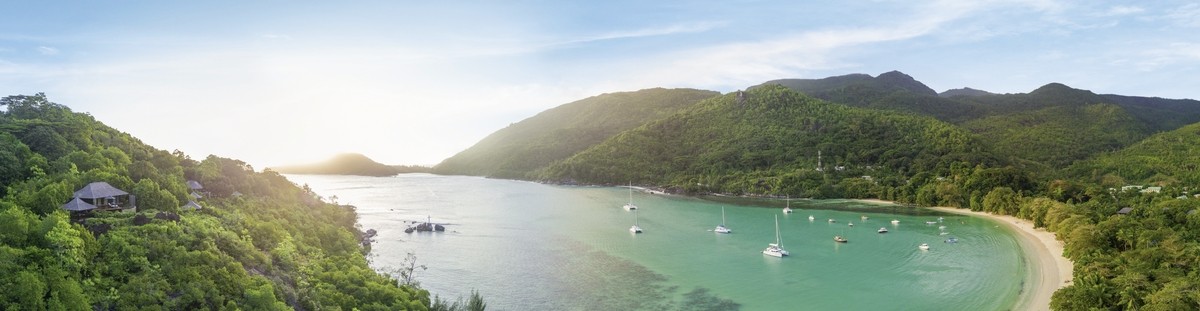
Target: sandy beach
column 1049, row 269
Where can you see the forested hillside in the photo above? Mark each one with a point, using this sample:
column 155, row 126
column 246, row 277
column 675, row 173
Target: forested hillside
column 891, row 91
column 1161, row 114
column 1165, row 159
column 1050, row 127
column 766, row 141
column 558, row 133
column 258, row 242
column 1054, row 137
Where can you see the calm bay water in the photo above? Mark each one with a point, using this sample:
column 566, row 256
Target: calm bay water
column 529, row 246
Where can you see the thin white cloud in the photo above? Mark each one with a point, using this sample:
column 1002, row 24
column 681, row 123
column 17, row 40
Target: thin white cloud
column 740, row 64
column 1187, row 15
column 45, row 50
column 273, row 36
column 650, row 32
column 1178, row 53
column 533, row 46
column 1121, row 10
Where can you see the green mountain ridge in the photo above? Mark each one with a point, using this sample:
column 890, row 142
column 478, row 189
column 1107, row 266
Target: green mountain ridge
column 966, row 91
column 1164, row 159
column 557, row 133
column 772, row 133
column 1030, row 129
column 1043, row 130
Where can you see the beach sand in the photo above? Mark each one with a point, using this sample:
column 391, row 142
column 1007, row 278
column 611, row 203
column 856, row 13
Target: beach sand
column 1049, row 270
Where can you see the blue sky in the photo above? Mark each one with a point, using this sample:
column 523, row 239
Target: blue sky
column 281, row 82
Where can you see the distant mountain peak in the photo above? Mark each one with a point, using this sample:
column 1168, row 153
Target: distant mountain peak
column 899, row 79
column 342, row 164
column 1053, row 87
column 965, row 91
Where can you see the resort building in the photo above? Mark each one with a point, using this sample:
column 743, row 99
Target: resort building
column 100, row 196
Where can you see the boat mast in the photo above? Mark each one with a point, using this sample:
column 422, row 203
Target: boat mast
column 630, row 193
column 722, row 216
column 778, row 240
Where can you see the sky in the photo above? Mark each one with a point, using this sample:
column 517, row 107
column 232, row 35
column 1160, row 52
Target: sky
column 414, row 82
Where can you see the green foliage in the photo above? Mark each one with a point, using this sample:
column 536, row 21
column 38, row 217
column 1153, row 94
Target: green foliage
column 558, row 133
column 1059, row 135
column 151, row 196
column 275, row 247
column 768, row 144
column 1169, row 158
column 1001, row 200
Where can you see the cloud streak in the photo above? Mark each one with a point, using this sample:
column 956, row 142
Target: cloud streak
column 45, row 50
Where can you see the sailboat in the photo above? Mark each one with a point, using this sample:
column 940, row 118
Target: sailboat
column 635, row 228
column 787, row 209
column 721, row 227
column 630, row 206
column 776, row 249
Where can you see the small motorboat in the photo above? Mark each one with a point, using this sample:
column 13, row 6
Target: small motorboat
column 943, row 233
column 952, row 240
column 832, row 221
column 839, row 239
column 930, row 222
column 863, row 217
column 895, row 222
column 882, row 230
column 851, row 224
column 941, row 227
column 811, row 218
column 940, row 219
column 924, row 246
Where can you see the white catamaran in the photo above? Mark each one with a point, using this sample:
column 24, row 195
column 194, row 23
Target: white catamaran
column 776, row 249
column 721, row 228
column 787, row 209
column 629, row 206
column 635, row 228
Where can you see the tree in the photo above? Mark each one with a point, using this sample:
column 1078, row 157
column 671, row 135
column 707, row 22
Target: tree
column 150, row 196
column 1001, row 200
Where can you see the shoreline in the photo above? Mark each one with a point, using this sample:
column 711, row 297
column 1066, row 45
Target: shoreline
column 1049, row 270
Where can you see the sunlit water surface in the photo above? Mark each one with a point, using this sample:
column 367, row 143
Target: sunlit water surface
column 529, row 246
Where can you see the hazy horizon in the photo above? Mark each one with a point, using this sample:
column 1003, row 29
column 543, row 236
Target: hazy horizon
column 277, row 84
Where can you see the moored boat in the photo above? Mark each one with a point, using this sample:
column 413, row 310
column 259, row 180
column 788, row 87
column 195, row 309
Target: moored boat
column 776, row 249
column 721, row 228
column 629, row 206
column 635, row 228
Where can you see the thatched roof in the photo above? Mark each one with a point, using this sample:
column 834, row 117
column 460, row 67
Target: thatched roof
column 191, row 205
column 98, row 190
column 194, row 185
column 77, row 205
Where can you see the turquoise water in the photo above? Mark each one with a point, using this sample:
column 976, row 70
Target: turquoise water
column 529, row 246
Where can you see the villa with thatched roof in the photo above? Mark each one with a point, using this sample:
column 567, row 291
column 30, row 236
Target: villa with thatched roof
column 100, row 196
column 191, row 205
